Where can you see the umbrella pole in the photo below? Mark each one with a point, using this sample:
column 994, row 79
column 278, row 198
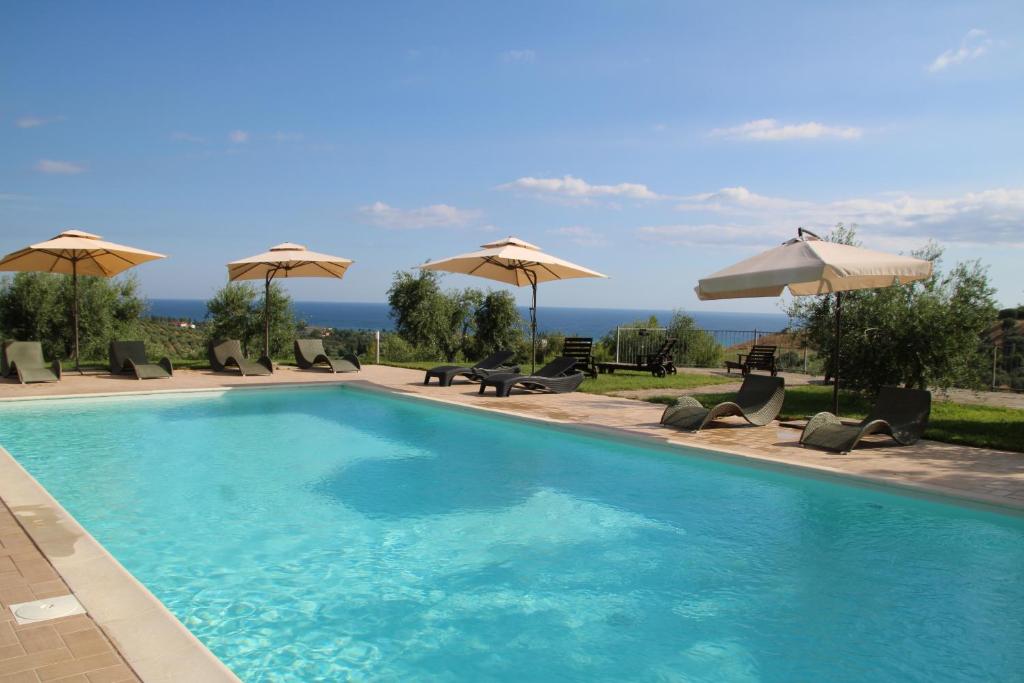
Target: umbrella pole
column 74, row 310
column 835, row 369
column 266, row 317
column 533, row 326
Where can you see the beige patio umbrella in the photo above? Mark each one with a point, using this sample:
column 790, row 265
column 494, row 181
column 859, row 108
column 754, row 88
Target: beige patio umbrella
column 285, row 260
column 75, row 253
column 808, row 265
column 518, row 263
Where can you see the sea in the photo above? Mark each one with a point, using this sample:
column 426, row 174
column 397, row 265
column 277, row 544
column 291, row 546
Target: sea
column 585, row 322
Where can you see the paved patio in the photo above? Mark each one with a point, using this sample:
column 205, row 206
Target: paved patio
column 972, row 474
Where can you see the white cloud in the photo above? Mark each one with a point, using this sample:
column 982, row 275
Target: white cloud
column 568, row 187
column 581, row 235
column 238, row 137
column 58, row 167
column 433, row 216
column 994, row 216
column 186, row 137
column 772, row 130
column 519, row 56
column 973, row 45
column 698, row 234
column 36, row 121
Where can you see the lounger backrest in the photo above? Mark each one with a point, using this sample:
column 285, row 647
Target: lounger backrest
column 123, row 351
column 580, row 348
column 494, row 360
column 562, row 365
column 757, row 390
column 23, row 354
column 760, row 354
column 223, row 349
column 309, row 349
column 904, row 409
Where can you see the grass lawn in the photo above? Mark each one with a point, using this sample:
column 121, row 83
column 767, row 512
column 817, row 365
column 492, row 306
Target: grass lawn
column 959, row 423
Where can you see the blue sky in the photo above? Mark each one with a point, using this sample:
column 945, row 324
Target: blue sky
column 655, row 142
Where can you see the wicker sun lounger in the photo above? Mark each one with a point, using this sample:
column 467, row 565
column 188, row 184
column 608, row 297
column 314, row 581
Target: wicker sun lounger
column 25, row 360
column 310, row 352
column 130, row 357
column 557, row 377
column 493, row 364
column 758, row 401
column 226, row 354
column 900, row 413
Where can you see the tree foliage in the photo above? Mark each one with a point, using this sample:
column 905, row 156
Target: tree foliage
column 694, row 347
column 236, row 312
column 923, row 334
column 452, row 324
column 38, row 306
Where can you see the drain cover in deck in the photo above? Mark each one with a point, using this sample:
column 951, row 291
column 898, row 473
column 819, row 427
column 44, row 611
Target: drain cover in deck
column 46, row 609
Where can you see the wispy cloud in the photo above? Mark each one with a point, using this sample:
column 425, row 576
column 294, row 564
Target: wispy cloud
column 433, row 216
column 577, row 189
column 58, row 167
column 973, row 45
column 994, row 216
column 581, row 235
column 238, row 137
column 36, row 121
column 519, row 56
column 182, row 136
column 773, row 130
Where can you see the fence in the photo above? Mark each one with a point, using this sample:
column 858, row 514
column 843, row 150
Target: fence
column 710, row 348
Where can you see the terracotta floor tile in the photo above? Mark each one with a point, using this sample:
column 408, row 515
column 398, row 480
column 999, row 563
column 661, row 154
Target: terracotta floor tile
column 113, row 674
column 34, row 660
column 39, row 639
column 85, row 643
column 77, row 666
column 23, row 677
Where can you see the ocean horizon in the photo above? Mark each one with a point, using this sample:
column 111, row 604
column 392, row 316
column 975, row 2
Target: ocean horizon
column 587, row 322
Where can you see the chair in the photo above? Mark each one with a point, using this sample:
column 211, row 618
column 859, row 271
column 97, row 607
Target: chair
column 226, row 353
column 758, row 401
column 310, row 352
column 493, row 364
column 900, row 413
column 761, row 357
column 659, row 363
column 25, row 359
column 557, row 377
column 130, row 356
column 581, row 349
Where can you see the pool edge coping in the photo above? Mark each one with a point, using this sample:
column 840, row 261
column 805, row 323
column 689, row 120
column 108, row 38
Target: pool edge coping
column 150, row 639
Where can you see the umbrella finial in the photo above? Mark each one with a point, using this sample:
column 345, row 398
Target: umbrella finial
column 78, row 233
column 804, row 232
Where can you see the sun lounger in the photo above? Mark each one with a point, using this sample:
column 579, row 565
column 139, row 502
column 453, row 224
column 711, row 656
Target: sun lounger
column 761, row 357
column 900, row 413
column 493, row 364
column 25, row 359
column 581, row 349
column 659, row 363
column 227, row 353
column 130, row 357
column 758, row 401
column 310, row 352
column 557, row 377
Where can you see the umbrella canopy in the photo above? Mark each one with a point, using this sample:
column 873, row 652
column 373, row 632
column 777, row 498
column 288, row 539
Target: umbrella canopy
column 808, row 265
column 285, row 260
column 515, row 262
column 74, row 253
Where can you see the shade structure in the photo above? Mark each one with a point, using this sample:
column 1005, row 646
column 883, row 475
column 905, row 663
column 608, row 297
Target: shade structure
column 285, row 260
column 74, row 253
column 515, row 262
column 808, row 265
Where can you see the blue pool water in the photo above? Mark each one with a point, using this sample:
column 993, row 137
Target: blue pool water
column 334, row 533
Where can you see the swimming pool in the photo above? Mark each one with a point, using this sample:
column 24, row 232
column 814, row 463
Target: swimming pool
column 331, row 532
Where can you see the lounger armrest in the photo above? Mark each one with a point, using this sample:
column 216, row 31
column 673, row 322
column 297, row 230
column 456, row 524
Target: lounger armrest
column 165, row 363
column 56, row 368
column 818, row 421
column 266, row 362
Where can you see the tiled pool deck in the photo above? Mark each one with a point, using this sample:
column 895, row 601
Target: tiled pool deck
column 127, row 635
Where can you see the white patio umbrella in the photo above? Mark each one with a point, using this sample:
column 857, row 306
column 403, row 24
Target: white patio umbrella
column 809, row 265
column 285, row 260
column 74, row 253
column 519, row 263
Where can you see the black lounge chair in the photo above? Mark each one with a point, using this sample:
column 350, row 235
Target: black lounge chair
column 758, row 402
column 659, row 363
column 900, row 413
column 225, row 354
column 25, row 359
column 493, row 364
column 581, row 349
column 761, row 357
column 310, row 352
column 130, row 356
column 557, row 377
